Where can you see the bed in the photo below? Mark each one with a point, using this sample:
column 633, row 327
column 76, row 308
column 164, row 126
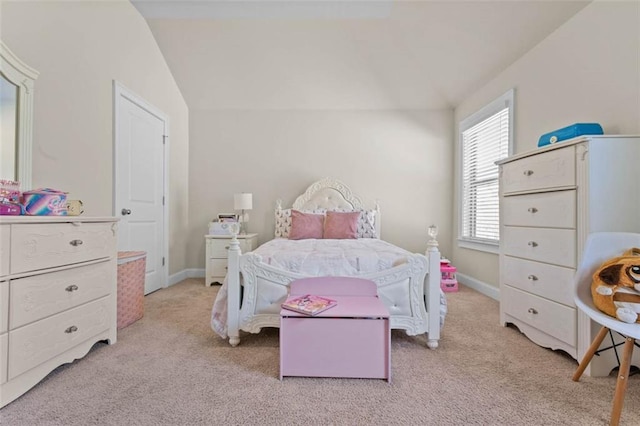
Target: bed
column 257, row 282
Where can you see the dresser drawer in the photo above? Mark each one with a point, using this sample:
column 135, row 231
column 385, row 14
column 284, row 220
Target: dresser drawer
column 5, row 244
column 551, row 169
column 4, row 306
column 551, row 209
column 4, row 356
column 39, row 296
column 549, row 317
column 40, row 246
column 549, row 281
column 555, row 246
column 218, row 267
column 38, row 342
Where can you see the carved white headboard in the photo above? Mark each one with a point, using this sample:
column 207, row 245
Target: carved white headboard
column 330, row 194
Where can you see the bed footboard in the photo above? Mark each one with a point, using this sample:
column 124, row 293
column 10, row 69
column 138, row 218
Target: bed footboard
column 410, row 291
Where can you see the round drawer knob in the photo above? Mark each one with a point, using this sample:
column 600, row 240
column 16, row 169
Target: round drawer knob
column 532, row 311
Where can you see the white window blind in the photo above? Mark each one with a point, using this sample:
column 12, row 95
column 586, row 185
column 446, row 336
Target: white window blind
column 482, row 145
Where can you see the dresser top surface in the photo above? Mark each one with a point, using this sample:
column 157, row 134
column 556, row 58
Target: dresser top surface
column 55, row 219
column 564, row 144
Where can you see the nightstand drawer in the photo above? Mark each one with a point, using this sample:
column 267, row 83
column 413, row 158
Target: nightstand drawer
column 555, row 246
column 218, row 267
column 549, row 210
column 219, row 248
column 548, row 170
column 549, row 317
column 217, row 253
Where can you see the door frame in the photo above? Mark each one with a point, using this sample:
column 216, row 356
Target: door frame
column 121, row 91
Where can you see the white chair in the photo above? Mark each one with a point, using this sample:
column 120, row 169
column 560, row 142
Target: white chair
column 601, row 246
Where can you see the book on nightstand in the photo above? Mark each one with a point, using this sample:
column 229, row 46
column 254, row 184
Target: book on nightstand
column 309, row 304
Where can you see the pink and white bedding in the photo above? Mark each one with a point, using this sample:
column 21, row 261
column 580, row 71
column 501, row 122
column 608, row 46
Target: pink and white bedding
column 332, row 257
column 321, row 257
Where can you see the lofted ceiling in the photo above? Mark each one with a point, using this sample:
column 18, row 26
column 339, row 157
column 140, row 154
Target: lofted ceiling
column 349, row 54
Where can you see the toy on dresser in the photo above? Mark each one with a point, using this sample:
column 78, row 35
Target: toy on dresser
column 10, row 198
column 616, row 286
column 36, row 202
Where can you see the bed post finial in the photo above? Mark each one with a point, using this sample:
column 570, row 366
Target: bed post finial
column 432, row 244
column 278, row 204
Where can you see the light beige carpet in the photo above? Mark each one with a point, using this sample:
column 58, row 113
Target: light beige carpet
column 170, row 369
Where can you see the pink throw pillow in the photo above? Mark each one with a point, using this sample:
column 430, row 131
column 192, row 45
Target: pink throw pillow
column 341, row 225
column 305, row 225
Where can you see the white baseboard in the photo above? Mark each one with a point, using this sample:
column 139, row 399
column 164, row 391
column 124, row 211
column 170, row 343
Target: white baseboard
column 479, row 286
column 184, row 274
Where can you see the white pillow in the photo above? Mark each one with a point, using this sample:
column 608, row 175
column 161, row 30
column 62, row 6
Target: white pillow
column 367, row 224
column 283, row 223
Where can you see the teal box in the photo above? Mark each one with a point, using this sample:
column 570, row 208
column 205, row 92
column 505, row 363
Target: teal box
column 575, row 130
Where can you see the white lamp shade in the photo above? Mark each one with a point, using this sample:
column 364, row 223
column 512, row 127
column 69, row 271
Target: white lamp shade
column 243, row 201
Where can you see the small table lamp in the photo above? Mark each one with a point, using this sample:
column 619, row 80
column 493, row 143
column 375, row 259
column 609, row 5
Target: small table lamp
column 242, row 202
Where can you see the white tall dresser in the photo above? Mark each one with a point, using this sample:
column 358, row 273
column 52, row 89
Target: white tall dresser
column 58, row 283
column 550, row 200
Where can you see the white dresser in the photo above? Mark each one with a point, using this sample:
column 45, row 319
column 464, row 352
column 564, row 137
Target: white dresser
column 550, row 200
column 58, row 282
column 217, row 252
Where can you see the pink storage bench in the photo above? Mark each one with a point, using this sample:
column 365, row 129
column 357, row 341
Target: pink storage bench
column 351, row 339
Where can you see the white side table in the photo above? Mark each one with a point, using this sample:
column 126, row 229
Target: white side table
column 217, row 247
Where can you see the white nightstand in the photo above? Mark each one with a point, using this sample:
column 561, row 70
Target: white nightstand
column 216, row 254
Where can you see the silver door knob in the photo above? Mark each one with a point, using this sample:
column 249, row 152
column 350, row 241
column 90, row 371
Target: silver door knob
column 126, row 212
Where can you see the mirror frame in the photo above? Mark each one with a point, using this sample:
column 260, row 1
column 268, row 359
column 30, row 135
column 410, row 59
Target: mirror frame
column 23, row 76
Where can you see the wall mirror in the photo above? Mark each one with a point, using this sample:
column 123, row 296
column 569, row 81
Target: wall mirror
column 16, row 117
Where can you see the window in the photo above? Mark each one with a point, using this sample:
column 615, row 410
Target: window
column 485, row 137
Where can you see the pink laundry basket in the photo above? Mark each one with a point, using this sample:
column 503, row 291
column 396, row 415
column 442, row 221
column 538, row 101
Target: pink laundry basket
column 131, row 274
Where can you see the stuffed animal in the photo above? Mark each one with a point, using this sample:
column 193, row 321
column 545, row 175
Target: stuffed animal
column 616, row 286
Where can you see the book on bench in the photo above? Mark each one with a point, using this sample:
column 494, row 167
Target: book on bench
column 309, row 304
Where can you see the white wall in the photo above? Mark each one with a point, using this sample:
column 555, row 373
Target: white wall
column 586, row 71
column 79, row 48
column 403, row 158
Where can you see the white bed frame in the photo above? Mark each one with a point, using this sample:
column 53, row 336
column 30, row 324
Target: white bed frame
column 402, row 288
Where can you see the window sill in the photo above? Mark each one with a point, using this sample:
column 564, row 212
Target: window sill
column 479, row 246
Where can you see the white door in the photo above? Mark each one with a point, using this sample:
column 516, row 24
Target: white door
column 139, row 182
